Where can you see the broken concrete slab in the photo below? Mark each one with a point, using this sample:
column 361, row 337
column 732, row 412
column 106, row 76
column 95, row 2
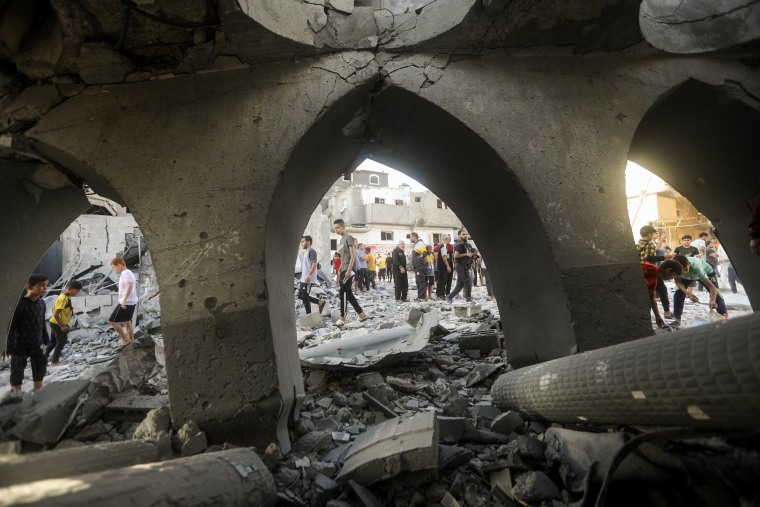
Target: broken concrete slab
column 312, row 442
column 388, row 449
column 481, row 372
column 485, row 341
column 507, row 422
column 533, row 487
column 44, row 417
column 323, row 489
column 75, row 461
column 582, row 449
column 230, row 477
column 467, row 310
column 191, row 439
column 155, row 421
column 309, row 321
column 453, row 456
column 391, row 346
column 133, row 407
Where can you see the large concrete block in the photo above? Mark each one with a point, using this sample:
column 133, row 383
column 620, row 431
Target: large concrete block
column 393, row 447
column 607, row 304
column 99, row 300
column 310, row 320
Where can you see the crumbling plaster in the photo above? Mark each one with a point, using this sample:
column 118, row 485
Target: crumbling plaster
column 558, row 128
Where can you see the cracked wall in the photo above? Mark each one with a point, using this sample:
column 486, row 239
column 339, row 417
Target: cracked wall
column 206, row 161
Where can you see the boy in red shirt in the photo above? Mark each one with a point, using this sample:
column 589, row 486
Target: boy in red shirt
column 668, row 270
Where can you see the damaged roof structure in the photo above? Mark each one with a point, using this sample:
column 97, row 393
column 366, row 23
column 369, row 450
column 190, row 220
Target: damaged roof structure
column 220, row 123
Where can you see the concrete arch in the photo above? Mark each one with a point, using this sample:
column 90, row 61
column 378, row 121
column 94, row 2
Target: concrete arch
column 38, row 203
column 703, row 142
column 430, row 145
column 695, row 26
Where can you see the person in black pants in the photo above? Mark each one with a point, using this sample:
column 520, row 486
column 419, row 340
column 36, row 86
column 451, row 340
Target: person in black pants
column 462, row 257
column 400, row 280
column 27, row 338
column 648, row 253
column 444, row 267
column 346, row 275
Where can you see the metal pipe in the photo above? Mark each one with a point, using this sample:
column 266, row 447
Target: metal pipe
column 706, row 377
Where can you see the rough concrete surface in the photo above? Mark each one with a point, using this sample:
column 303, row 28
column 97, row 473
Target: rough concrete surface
column 221, row 124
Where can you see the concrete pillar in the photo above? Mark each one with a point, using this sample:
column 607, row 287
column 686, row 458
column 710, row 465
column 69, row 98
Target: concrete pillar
column 197, row 159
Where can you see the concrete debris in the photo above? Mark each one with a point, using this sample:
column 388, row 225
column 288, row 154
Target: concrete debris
column 482, row 372
column 485, row 341
column 377, row 349
column 189, row 440
column 376, row 455
column 507, row 422
column 75, row 461
column 323, row 490
column 535, row 486
column 156, row 421
column 309, row 321
column 44, row 417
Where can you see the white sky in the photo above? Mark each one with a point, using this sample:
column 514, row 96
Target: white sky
column 637, row 178
column 395, row 178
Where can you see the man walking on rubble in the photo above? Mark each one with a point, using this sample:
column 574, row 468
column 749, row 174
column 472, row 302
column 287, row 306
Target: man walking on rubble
column 462, row 257
column 125, row 308
column 345, row 277
column 400, row 280
column 309, row 266
column 419, row 251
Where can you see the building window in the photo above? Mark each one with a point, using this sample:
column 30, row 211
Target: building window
column 441, row 204
column 348, row 177
column 436, row 239
column 333, row 244
column 399, row 202
column 386, row 235
column 374, row 179
column 379, row 200
column 418, row 199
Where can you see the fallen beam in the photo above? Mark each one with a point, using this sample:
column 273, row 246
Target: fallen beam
column 232, row 478
column 75, row 461
column 704, row 377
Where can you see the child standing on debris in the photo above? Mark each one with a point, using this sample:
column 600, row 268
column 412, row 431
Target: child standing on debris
column 125, row 308
column 653, row 275
column 27, row 338
column 430, row 271
column 59, row 322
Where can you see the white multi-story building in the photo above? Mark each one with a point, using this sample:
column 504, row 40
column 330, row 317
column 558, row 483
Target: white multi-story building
column 380, row 216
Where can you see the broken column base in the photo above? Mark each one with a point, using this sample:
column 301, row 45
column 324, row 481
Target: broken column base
column 234, row 478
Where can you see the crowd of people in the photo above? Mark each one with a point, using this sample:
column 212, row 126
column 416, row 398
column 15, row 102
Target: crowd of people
column 357, row 268
column 693, row 263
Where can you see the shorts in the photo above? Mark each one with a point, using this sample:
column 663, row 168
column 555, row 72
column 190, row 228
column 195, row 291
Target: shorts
column 430, row 280
column 18, row 365
column 122, row 314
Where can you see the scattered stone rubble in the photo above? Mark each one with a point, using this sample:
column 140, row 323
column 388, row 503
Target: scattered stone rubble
column 420, row 430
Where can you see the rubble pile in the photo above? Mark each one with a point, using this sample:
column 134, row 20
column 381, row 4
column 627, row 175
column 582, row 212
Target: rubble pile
column 413, row 423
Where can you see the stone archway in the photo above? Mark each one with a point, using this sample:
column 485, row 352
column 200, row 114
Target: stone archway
column 49, row 203
column 413, row 135
column 703, row 142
